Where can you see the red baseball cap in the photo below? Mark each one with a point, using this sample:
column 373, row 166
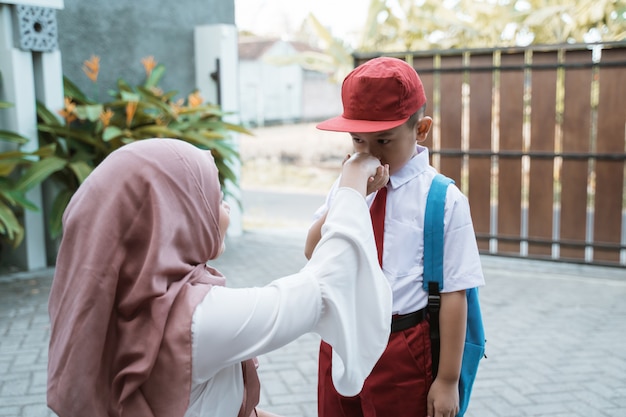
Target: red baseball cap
column 378, row 95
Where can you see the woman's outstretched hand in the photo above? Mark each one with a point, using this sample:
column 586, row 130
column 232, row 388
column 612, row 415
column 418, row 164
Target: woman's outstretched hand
column 364, row 173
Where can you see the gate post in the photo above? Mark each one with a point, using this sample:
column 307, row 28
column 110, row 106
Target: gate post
column 217, row 74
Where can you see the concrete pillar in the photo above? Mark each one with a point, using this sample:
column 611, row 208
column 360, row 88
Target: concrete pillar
column 28, row 76
column 217, row 75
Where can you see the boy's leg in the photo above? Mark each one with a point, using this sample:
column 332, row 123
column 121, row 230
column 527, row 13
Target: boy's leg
column 398, row 385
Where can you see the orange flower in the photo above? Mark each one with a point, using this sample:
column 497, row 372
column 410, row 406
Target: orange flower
column 131, row 108
column 149, row 63
column 68, row 111
column 91, row 68
column 105, row 117
column 194, row 99
column 69, row 104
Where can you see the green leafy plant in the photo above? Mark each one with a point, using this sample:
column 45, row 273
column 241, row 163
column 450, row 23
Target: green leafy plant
column 19, row 172
column 90, row 130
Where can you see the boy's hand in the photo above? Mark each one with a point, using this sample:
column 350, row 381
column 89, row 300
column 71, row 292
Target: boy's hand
column 379, row 180
column 443, row 399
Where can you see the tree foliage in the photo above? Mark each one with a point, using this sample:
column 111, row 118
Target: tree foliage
column 408, row 25
column 417, row 25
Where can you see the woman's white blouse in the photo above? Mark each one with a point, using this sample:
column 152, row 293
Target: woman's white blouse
column 341, row 294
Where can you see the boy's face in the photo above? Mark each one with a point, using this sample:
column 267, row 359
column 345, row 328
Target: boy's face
column 394, row 146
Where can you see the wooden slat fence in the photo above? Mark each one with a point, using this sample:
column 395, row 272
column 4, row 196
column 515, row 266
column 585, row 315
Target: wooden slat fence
column 536, row 138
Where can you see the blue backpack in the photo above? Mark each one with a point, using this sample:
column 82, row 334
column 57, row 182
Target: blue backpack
column 474, row 349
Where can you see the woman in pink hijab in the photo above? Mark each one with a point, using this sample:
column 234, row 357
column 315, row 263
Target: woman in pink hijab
column 142, row 326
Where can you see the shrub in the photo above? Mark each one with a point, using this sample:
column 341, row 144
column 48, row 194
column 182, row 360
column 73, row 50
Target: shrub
column 19, row 172
column 90, row 130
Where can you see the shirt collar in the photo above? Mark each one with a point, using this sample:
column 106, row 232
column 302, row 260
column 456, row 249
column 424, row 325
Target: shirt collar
column 416, row 165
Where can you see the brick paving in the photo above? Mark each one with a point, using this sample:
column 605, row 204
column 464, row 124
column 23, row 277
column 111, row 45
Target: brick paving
column 556, row 335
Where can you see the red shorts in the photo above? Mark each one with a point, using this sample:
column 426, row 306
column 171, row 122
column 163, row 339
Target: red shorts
column 398, row 385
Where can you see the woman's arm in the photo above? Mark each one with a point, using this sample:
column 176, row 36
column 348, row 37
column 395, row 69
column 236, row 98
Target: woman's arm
column 341, row 294
column 246, row 322
column 355, row 169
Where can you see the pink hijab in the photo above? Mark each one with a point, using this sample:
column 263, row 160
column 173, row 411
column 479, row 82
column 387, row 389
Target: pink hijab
column 130, row 272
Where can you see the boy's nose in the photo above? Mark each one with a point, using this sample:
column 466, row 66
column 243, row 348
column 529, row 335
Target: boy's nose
column 363, row 147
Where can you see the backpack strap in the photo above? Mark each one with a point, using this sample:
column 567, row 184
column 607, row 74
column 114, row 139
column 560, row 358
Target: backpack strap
column 433, row 258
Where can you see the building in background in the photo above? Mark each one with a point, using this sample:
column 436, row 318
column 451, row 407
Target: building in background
column 270, row 93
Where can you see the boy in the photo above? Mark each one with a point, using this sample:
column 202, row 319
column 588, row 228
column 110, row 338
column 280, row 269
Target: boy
column 383, row 111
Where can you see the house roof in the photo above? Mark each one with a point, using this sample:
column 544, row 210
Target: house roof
column 253, row 48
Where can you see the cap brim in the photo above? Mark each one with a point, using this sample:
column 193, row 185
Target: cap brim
column 341, row 124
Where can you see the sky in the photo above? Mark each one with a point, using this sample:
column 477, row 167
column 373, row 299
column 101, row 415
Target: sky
column 277, row 17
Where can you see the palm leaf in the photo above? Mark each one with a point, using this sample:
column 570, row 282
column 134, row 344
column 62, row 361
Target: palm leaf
column 72, row 91
column 38, row 172
column 155, row 76
column 13, row 137
column 56, row 213
column 199, row 140
column 45, row 151
column 46, row 116
column 82, row 136
column 237, row 128
column 151, row 131
column 8, row 165
column 18, row 199
column 111, row 132
column 225, row 148
column 225, row 172
column 90, row 112
column 81, row 169
column 11, row 226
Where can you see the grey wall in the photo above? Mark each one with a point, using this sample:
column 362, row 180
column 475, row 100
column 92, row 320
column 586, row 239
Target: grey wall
column 122, row 32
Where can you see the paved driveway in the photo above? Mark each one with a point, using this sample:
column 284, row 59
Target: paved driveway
column 556, row 333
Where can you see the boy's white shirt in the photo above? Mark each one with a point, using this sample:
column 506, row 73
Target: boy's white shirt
column 404, row 235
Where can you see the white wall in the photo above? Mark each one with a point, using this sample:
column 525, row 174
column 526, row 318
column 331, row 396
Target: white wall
column 268, row 92
column 271, row 93
column 321, row 98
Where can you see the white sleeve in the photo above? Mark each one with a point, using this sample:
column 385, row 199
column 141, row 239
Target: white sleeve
column 461, row 262
column 341, row 294
column 356, row 319
column 234, row 324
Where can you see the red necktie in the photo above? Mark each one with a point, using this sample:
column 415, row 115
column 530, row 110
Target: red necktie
column 377, row 211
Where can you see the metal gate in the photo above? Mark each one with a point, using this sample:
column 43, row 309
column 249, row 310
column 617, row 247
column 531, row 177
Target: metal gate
column 536, row 138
